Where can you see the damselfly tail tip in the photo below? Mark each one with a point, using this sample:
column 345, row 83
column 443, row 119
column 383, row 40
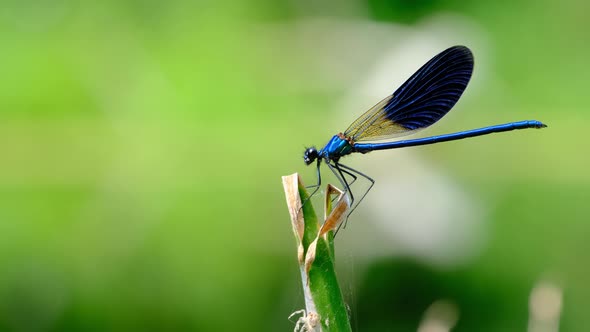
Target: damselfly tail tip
column 537, row 124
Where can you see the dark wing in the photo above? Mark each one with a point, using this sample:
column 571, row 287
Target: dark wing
column 421, row 101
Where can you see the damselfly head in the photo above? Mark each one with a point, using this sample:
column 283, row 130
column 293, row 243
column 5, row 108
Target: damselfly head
column 310, row 155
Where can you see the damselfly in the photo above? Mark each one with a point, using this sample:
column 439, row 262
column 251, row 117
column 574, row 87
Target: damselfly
column 422, row 100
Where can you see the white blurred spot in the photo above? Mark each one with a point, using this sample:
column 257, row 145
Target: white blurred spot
column 441, row 316
column 423, row 212
column 545, row 304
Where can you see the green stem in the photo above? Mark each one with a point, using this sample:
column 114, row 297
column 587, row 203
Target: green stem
column 322, row 293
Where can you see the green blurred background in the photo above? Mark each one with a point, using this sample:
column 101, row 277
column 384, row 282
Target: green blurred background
column 143, row 144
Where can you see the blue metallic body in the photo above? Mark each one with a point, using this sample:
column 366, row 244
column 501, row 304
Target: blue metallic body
column 336, row 148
